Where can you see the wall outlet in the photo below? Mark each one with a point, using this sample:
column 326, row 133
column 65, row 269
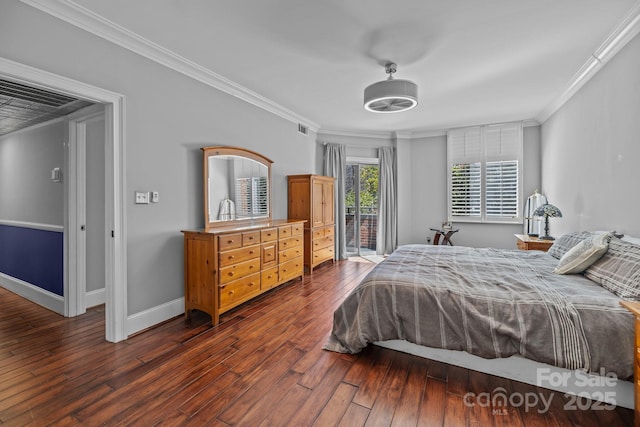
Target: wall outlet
column 155, row 197
column 142, row 197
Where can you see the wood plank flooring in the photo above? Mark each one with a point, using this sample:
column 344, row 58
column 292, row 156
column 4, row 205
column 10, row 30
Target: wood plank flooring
column 263, row 365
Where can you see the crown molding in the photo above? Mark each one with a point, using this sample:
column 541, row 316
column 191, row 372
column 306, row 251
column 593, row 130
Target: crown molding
column 357, row 133
column 81, row 17
column 628, row 28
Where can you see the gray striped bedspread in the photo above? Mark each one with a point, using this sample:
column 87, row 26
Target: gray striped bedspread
column 492, row 303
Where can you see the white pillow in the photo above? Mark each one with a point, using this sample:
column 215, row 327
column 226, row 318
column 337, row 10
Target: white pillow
column 581, row 256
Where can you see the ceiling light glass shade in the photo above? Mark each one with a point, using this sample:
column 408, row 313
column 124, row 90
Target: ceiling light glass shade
column 548, row 211
column 391, row 96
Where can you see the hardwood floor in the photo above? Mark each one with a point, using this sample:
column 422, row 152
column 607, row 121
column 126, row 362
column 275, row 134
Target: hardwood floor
column 263, row 365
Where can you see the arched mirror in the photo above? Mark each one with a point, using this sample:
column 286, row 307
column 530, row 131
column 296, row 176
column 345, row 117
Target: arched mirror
column 237, row 186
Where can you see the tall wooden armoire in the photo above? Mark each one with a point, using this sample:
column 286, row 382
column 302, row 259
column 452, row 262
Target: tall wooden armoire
column 311, row 198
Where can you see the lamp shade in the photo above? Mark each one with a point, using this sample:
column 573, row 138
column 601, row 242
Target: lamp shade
column 548, row 210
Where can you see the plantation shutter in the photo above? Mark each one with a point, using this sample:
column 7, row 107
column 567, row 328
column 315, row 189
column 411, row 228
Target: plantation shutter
column 465, row 173
column 485, row 164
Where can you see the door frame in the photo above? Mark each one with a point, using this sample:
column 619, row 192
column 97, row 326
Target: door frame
column 359, row 161
column 116, row 254
column 76, row 167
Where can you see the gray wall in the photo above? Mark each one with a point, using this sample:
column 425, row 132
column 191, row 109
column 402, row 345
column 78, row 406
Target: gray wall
column 27, row 157
column 168, row 118
column 591, row 148
column 429, row 201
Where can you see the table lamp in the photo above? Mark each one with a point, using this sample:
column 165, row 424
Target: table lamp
column 547, row 211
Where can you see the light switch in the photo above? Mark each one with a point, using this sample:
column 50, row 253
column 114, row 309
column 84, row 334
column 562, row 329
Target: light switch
column 142, row 197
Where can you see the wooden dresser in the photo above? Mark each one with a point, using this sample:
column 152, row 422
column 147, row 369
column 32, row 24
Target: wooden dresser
column 226, row 266
column 634, row 307
column 529, row 243
column 311, row 198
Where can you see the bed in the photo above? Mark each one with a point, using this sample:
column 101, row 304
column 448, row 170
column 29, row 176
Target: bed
column 498, row 306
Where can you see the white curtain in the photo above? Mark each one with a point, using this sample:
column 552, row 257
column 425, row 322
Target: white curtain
column 387, row 237
column 335, row 163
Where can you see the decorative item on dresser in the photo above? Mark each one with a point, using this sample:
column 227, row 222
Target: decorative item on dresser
column 530, row 243
column 241, row 252
column 311, row 198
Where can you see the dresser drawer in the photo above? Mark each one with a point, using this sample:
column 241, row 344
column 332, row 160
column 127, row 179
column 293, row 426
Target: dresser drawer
column 297, row 229
column 269, row 278
column 323, row 242
column 235, row 256
column 322, row 255
column 269, row 254
column 291, row 242
column 289, row 254
column 291, row 269
column 229, row 241
column 329, row 231
column 284, row 232
column 268, row 235
column 250, row 238
column 241, row 269
column 238, row 291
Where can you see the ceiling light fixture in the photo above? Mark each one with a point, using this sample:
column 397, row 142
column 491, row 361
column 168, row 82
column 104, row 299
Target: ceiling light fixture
column 391, row 96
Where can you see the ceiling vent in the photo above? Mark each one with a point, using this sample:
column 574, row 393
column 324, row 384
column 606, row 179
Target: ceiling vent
column 391, row 96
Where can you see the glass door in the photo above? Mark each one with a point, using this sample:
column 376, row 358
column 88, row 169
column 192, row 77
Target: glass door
column 361, row 205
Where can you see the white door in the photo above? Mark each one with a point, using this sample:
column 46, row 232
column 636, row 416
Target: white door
column 87, row 225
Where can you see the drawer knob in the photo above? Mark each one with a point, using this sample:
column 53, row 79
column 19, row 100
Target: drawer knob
column 231, row 273
column 231, row 257
column 230, row 241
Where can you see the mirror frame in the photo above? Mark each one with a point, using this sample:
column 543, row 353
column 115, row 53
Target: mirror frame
column 239, row 152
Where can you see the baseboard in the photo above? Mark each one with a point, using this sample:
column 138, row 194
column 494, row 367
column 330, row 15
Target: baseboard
column 150, row 317
column 93, row 298
column 33, row 293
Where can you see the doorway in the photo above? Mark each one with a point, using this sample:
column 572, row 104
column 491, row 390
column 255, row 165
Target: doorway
column 361, row 206
column 115, row 246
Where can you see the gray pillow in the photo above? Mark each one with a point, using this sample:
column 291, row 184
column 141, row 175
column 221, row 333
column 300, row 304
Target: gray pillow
column 618, row 270
column 582, row 255
column 565, row 242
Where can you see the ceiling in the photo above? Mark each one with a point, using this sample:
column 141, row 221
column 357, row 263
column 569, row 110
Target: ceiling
column 475, row 62
column 24, row 106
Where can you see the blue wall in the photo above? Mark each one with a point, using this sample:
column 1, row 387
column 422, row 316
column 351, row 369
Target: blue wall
column 33, row 256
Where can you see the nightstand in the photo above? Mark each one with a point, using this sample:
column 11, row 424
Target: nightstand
column 528, row 243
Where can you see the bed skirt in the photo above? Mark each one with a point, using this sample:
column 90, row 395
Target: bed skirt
column 603, row 389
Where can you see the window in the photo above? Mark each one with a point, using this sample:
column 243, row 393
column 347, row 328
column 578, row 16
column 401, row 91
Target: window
column 485, row 173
